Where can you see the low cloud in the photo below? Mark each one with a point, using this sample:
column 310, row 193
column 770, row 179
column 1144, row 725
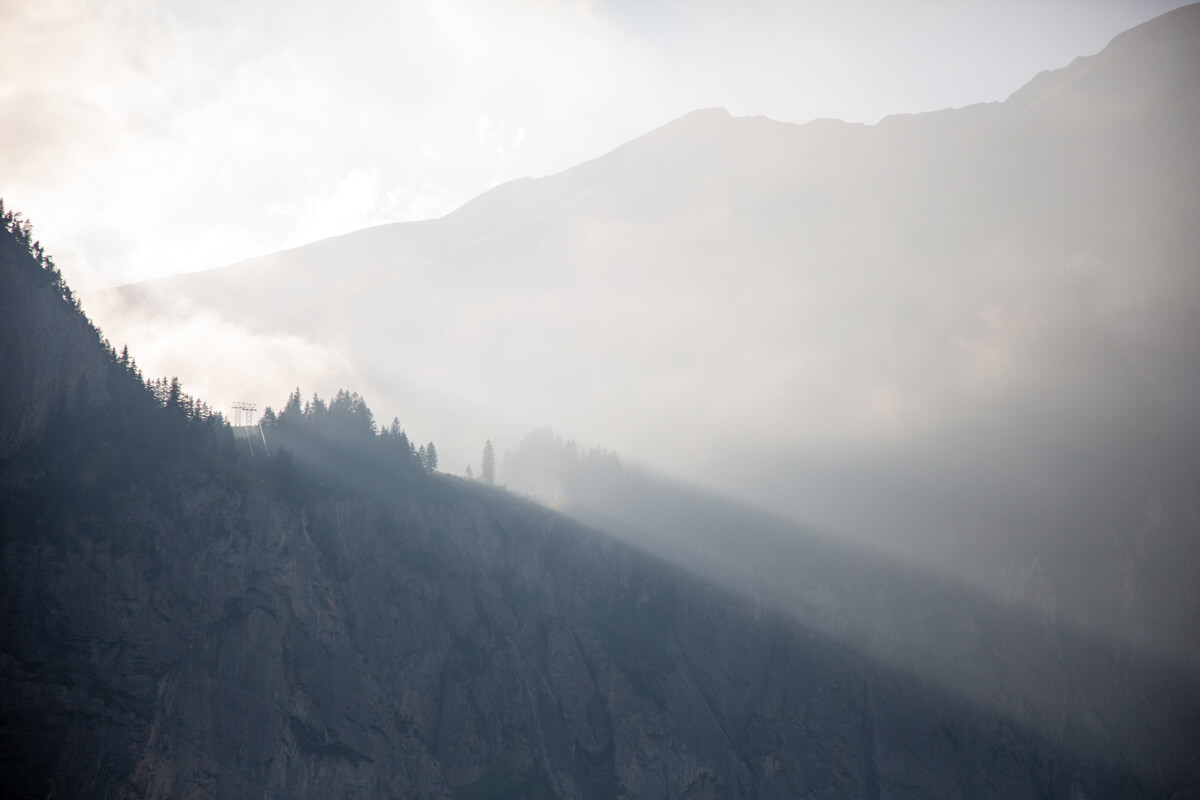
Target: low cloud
column 217, row 360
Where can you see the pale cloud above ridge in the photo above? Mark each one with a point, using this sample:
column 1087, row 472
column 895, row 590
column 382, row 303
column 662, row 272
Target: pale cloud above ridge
column 146, row 139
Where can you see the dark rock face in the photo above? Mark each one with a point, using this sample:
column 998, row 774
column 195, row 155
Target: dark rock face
column 1089, row 644
column 218, row 644
column 193, row 635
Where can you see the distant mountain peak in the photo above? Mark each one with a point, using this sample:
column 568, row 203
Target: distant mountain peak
column 712, row 113
column 1161, row 52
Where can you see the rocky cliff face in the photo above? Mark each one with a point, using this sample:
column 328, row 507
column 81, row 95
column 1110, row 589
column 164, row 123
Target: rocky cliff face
column 193, row 634
column 215, row 643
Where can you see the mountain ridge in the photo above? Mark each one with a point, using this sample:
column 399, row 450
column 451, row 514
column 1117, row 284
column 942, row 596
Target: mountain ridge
column 1141, row 37
column 881, row 281
column 199, row 630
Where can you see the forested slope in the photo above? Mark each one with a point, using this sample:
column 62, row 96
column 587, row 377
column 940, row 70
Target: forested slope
column 202, row 623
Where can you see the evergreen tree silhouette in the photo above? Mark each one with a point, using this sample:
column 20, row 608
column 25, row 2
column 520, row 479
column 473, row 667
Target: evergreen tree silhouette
column 487, row 469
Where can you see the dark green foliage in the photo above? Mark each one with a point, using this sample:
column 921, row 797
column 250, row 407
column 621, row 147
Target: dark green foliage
column 291, row 409
column 95, row 443
column 97, row 438
column 18, row 232
column 339, row 443
column 429, row 457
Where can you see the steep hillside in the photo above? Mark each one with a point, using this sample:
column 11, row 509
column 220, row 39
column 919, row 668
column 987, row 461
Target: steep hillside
column 50, row 348
column 1021, row 631
column 1112, row 562
column 200, row 629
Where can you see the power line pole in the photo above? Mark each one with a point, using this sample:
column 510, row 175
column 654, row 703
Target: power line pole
column 244, row 421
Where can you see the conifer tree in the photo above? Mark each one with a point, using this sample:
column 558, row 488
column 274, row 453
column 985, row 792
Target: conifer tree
column 291, row 409
column 488, row 468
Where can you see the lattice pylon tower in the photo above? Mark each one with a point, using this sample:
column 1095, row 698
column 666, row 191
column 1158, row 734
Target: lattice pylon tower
column 244, row 420
column 244, row 414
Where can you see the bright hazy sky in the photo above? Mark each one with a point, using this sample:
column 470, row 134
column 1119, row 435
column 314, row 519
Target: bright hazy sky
column 148, row 137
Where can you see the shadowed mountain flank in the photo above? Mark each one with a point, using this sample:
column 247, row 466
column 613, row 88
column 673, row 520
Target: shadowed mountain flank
column 929, row 390
column 1033, row 630
column 191, row 625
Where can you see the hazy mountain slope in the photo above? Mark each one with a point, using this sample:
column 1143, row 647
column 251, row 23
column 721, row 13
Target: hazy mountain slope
column 1093, row 611
column 725, row 289
column 190, row 633
column 1116, row 563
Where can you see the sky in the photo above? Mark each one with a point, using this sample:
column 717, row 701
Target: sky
column 151, row 137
